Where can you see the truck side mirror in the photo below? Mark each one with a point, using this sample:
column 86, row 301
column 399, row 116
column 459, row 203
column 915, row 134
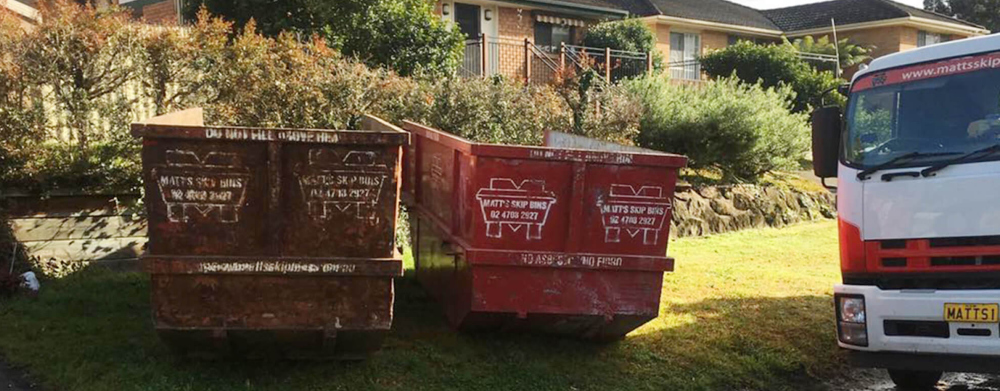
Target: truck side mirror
column 826, row 126
column 844, row 89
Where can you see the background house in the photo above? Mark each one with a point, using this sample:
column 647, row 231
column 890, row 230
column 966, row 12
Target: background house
column 686, row 29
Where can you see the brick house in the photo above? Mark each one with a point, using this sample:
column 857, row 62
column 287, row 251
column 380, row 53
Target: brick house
column 156, row 11
column 686, row 29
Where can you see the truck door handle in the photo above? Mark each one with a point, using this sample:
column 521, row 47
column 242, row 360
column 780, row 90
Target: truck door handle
column 888, row 177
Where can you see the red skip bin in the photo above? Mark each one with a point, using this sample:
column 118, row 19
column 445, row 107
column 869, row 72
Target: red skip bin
column 561, row 240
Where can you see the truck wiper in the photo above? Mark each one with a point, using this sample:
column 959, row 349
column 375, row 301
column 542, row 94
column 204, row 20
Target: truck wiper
column 982, row 152
column 898, row 159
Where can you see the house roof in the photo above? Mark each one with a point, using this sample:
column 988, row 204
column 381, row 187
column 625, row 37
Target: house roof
column 719, row 11
column 788, row 19
column 844, row 12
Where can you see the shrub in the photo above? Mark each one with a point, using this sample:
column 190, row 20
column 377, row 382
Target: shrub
column 631, row 35
column 850, row 54
column 772, row 65
column 65, row 124
column 402, row 35
column 744, row 130
column 493, row 110
column 72, row 75
column 596, row 109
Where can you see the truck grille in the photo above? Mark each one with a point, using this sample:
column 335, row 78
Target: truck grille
column 957, row 254
column 936, row 281
column 916, row 328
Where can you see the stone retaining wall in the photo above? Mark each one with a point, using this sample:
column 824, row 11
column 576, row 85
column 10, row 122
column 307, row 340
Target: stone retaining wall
column 711, row 210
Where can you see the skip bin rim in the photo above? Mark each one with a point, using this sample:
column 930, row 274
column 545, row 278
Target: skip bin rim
column 391, row 135
column 660, row 159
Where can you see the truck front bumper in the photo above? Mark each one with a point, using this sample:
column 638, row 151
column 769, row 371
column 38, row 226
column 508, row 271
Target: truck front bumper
column 885, row 309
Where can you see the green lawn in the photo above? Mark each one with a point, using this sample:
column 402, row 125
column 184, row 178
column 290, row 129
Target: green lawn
column 749, row 310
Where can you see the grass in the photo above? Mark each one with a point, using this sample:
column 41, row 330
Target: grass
column 748, row 310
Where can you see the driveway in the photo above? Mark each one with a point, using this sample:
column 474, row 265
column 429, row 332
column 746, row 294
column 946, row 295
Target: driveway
column 878, row 380
column 14, row 380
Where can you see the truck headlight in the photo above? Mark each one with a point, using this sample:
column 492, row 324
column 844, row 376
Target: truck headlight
column 852, row 326
column 852, row 309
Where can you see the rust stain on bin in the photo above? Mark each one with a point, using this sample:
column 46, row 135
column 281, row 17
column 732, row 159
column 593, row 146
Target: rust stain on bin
column 559, row 240
column 271, row 242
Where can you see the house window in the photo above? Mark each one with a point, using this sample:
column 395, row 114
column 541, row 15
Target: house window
column 925, row 38
column 552, row 36
column 684, row 51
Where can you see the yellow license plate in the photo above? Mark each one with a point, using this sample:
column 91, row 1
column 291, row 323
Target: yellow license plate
column 971, row 313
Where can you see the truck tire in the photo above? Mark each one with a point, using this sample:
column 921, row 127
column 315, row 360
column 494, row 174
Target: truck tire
column 914, row 380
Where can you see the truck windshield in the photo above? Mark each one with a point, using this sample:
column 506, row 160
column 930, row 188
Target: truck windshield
column 933, row 109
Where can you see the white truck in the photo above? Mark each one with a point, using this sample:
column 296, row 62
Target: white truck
column 917, row 161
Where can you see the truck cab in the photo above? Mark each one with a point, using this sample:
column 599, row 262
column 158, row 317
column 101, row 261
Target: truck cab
column 916, row 154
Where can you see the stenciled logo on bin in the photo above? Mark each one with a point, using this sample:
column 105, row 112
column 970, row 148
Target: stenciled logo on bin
column 212, row 186
column 512, row 206
column 635, row 211
column 347, row 185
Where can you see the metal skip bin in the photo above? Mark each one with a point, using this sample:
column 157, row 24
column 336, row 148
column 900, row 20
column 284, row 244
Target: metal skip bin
column 570, row 241
column 271, row 242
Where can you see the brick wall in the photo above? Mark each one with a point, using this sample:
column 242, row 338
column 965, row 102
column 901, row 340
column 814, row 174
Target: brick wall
column 514, row 26
column 161, row 12
column 513, row 30
column 662, row 35
column 907, row 38
column 713, row 40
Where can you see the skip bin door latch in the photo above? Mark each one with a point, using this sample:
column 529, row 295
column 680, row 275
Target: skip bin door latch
column 450, row 250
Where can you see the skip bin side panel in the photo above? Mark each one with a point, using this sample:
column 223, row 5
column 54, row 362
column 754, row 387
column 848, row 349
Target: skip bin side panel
column 627, row 209
column 272, row 302
column 521, row 204
column 521, row 290
column 205, row 197
column 339, row 200
column 435, row 179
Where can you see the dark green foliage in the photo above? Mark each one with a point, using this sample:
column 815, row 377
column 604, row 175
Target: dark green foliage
column 403, row 35
column 743, row 130
column 631, row 35
column 772, row 65
column 985, row 13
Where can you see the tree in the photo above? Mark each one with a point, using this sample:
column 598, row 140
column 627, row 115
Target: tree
column 630, row 35
column 772, row 66
column 850, row 54
column 403, row 35
column 981, row 12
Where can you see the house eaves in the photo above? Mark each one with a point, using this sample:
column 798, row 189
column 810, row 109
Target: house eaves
column 715, row 26
column 911, row 21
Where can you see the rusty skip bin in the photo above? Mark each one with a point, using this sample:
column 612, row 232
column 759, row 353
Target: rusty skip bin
column 271, row 242
column 571, row 241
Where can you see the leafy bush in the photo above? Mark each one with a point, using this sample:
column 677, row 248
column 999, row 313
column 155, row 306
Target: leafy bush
column 631, row 35
column 850, row 54
column 402, row 35
column 67, row 80
column 493, row 110
column 772, row 65
column 65, row 123
column 744, row 130
column 598, row 110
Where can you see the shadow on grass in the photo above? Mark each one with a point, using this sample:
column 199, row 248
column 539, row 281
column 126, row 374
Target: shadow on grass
column 92, row 331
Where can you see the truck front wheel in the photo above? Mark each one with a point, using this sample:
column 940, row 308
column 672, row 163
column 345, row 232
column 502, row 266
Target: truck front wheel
column 914, row 380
